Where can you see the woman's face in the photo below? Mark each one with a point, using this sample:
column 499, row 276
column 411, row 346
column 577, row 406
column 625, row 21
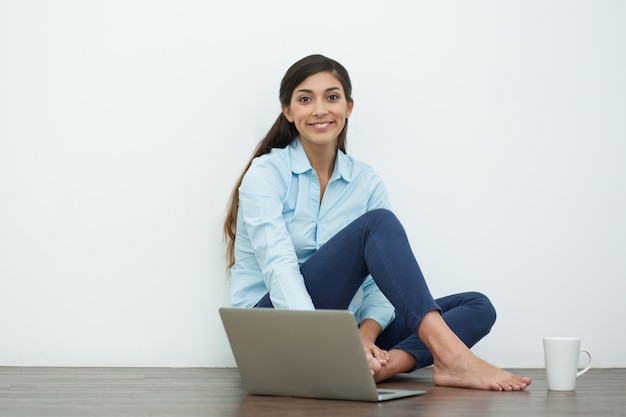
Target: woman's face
column 319, row 109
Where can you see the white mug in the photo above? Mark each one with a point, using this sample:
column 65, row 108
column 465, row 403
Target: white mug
column 562, row 354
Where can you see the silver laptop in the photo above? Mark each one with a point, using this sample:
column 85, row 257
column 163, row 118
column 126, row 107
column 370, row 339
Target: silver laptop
column 313, row 354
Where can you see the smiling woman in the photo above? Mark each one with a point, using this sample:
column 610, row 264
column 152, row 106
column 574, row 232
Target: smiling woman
column 309, row 227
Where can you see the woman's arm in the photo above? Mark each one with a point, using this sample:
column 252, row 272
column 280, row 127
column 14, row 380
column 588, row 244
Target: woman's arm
column 260, row 205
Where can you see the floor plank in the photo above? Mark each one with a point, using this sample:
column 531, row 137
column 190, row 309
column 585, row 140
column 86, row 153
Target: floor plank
column 51, row 392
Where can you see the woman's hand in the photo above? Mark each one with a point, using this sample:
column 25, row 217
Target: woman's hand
column 377, row 358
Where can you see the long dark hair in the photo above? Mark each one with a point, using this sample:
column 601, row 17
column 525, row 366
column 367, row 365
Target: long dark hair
column 282, row 132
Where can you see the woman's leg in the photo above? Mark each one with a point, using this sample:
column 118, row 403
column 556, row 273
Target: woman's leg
column 376, row 243
column 469, row 315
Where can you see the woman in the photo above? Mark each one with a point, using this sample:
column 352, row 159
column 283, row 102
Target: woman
column 310, row 227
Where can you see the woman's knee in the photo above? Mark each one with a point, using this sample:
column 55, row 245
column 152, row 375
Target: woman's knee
column 382, row 217
column 486, row 308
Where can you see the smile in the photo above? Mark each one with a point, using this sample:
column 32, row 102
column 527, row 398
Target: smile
column 322, row 125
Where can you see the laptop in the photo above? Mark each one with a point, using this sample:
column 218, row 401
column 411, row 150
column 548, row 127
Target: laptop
column 296, row 353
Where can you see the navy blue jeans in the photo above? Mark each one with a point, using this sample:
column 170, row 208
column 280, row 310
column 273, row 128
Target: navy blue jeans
column 377, row 244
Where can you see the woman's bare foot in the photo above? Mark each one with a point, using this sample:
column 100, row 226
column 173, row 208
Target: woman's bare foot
column 456, row 366
column 399, row 361
column 469, row 371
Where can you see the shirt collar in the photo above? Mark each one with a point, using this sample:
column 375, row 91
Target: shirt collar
column 300, row 163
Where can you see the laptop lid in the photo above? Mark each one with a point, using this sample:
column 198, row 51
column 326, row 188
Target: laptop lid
column 314, row 354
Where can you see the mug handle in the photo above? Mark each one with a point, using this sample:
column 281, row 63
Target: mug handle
column 586, row 368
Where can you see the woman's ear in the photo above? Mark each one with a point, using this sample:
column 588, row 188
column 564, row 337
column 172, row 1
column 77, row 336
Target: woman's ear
column 349, row 109
column 287, row 114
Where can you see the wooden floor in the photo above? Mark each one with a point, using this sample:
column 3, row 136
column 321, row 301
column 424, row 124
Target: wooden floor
column 67, row 392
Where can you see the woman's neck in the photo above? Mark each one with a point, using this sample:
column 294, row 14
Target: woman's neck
column 322, row 160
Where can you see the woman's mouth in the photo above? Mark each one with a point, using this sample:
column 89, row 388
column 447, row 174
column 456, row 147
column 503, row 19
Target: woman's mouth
column 320, row 125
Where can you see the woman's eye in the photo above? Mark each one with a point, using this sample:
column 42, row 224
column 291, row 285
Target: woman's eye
column 304, row 99
column 333, row 97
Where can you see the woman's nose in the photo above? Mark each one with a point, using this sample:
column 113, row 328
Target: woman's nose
column 320, row 108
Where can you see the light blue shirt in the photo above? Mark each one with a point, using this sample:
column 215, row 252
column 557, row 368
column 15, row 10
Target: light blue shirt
column 281, row 223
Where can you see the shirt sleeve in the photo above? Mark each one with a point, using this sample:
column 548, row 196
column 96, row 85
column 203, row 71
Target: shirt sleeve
column 260, row 204
column 374, row 304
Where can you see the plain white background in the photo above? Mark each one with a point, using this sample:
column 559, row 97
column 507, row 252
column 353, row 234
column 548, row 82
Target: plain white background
column 498, row 126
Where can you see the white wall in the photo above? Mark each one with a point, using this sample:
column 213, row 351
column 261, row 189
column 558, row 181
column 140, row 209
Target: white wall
column 497, row 125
